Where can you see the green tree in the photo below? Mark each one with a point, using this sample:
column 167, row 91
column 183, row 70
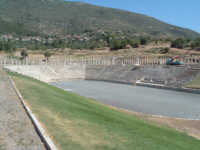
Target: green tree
column 58, row 44
column 24, row 54
column 134, row 43
column 165, row 50
column 143, row 41
column 8, row 46
column 178, row 43
column 195, row 44
column 47, row 55
column 117, row 44
column 1, row 45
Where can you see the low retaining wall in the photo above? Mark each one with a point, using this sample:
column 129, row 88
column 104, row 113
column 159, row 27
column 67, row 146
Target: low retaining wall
column 50, row 73
column 167, row 76
column 182, row 89
column 172, row 76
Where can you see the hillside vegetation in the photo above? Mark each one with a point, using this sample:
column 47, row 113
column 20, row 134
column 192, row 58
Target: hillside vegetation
column 59, row 17
column 78, row 123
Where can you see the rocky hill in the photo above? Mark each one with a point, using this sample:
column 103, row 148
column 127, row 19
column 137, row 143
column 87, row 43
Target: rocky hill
column 61, row 18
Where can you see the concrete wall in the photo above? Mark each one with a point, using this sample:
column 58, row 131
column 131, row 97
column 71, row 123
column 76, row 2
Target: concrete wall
column 162, row 74
column 51, row 73
column 174, row 76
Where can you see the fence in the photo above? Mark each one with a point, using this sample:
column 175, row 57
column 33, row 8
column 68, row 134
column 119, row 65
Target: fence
column 96, row 60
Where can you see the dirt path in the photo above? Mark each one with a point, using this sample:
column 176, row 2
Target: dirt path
column 16, row 130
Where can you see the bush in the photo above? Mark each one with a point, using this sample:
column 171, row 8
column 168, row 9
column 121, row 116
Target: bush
column 117, row 44
column 143, row 41
column 195, row 44
column 178, row 43
column 47, row 55
column 8, row 46
column 134, row 43
column 23, row 54
column 165, row 50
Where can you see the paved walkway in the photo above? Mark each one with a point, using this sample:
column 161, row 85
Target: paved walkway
column 16, row 130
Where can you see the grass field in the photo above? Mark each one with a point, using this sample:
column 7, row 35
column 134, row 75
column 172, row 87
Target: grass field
column 194, row 84
column 1, row 145
column 78, row 123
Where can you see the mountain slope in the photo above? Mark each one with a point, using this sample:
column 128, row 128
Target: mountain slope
column 59, row 17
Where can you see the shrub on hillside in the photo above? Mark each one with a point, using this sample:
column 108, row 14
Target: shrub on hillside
column 8, row 46
column 165, row 50
column 195, row 44
column 47, row 55
column 178, row 43
column 134, row 43
column 143, row 41
column 117, row 44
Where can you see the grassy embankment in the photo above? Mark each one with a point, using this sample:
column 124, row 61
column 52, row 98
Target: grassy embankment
column 78, row 123
column 1, row 145
column 195, row 84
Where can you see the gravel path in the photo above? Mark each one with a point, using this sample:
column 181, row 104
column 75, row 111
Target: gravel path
column 16, row 130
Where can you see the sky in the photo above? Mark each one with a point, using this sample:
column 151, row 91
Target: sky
column 184, row 13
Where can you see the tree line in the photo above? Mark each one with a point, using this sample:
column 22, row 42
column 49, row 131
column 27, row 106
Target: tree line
column 113, row 42
column 8, row 46
column 186, row 43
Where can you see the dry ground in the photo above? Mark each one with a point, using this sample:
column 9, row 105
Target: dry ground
column 16, row 130
column 151, row 49
column 142, row 50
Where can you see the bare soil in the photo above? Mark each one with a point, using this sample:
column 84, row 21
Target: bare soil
column 142, row 50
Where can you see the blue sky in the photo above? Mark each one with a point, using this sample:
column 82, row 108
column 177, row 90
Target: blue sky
column 184, row 13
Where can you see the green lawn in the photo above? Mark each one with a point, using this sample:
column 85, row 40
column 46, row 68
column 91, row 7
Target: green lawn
column 78, row 123
column 194, row 84
column 1, row 145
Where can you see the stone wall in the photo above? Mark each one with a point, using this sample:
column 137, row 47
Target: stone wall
column 168, row 75
column 50, row 73
column 174, row 76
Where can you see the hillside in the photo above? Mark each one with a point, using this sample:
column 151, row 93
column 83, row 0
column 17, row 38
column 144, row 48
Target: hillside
column 58, row 17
